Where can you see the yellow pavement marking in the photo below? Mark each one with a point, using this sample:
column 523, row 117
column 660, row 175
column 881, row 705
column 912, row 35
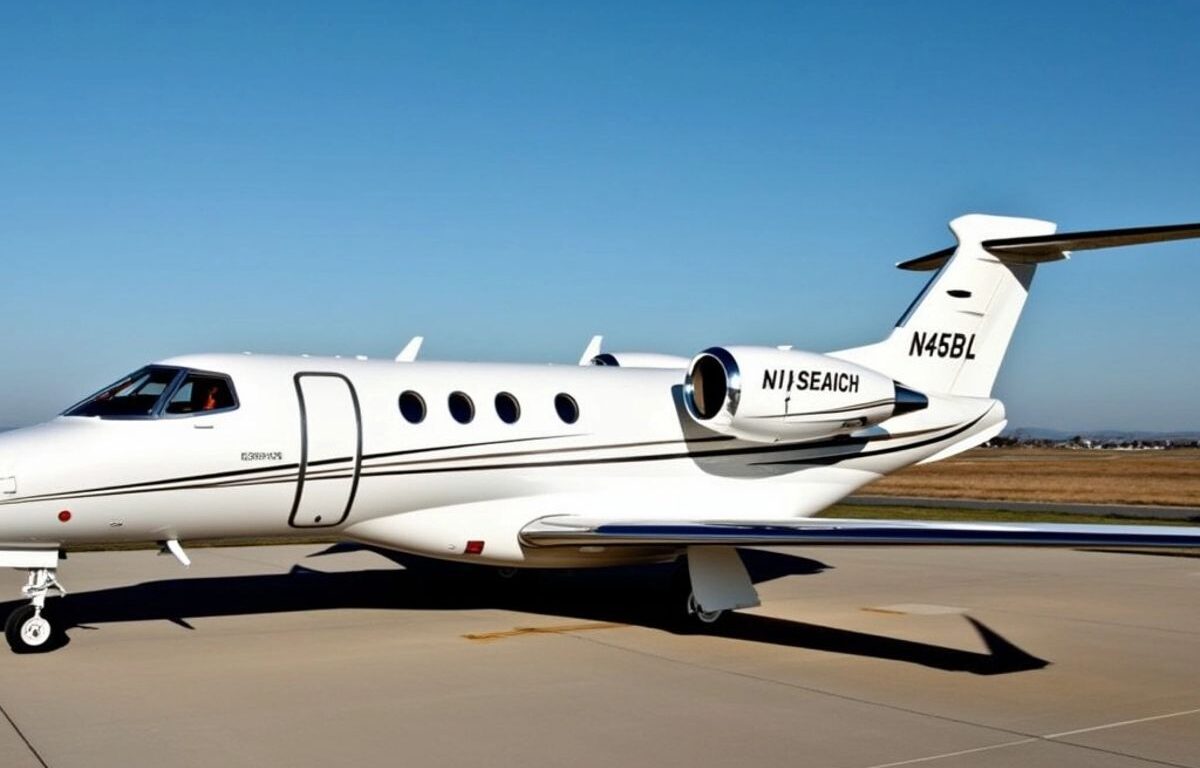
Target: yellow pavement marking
column 916, row 609
column 557, row 629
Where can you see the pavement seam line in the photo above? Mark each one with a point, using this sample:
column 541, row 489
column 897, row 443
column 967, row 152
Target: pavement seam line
column 959, row 753
column 1030, row 737
column 1049, row 737
column 36, row 755
column 1122, row 723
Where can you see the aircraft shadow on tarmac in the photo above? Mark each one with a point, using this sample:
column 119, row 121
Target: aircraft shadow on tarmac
column 647, row 596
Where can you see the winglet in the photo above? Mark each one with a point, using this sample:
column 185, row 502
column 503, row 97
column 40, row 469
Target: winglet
column 591, row 350
column 409, row 353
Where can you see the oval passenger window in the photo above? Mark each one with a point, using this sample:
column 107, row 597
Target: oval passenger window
column 507, row 408
column 412, row 407
column 461, row 407
column 568, row 409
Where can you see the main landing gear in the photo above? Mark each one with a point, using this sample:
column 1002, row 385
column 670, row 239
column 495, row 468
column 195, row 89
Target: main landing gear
column 715, row 582
column 27, row 629
column 698, row 614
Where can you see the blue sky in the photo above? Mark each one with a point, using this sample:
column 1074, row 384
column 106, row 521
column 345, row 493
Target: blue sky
column 508, row 179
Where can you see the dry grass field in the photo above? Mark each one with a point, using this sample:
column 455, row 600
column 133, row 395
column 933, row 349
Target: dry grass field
column 1050, row 474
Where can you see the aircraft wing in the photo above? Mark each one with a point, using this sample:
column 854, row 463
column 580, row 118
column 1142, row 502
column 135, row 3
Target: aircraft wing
column 565, row 530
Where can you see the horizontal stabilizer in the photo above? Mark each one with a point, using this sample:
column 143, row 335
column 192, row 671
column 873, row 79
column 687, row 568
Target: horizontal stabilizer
column 1039, row 248
column 568, row 531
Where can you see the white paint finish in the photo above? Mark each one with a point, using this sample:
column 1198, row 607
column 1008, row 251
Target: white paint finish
column 411, row 350
column 28, row 558
column 634, row 453
column 649, row 360
column 591, row 350
column 987, row 316
column 782, row 395
column 331, row 435
column 176, row 551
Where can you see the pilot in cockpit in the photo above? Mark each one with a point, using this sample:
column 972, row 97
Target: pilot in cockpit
column 210, row 400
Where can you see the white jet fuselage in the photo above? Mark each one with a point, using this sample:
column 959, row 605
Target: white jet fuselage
column 319, row 446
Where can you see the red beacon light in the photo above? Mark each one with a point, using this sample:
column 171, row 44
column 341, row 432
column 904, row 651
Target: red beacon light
column 64, row 516
column 474, row 547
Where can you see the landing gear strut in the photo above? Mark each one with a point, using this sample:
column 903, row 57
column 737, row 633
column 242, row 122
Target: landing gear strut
column 27, row 629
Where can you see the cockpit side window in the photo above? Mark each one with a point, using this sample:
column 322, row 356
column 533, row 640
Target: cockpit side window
column 202, row 393
column 136, row 395
column 160, row 389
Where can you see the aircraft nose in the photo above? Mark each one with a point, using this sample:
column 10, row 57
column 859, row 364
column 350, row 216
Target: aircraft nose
column 8, row 464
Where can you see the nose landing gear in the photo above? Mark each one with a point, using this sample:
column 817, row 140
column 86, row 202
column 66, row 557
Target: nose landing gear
column 27, row 629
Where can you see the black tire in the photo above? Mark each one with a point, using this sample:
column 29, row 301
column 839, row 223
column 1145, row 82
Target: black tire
column 27, row 633
column 703, row 619
column 681, row 615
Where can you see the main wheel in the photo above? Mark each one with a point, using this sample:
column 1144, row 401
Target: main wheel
column 704, row 617
column 27, row 631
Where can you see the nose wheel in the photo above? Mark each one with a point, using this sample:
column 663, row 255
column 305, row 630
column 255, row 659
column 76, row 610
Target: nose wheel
column 27, row 629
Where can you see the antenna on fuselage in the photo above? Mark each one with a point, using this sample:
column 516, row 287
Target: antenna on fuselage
column 591, row 350
column 409, row 353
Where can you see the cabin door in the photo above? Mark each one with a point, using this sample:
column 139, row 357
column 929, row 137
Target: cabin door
column 330, row 450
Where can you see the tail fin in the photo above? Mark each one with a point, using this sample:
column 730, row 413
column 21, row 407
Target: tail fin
column 953, row 337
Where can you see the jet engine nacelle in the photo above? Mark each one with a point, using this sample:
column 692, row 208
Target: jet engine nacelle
column 639, row 360
column 768, row 395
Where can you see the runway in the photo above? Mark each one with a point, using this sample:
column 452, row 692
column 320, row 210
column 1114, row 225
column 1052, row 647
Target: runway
column 858, row 658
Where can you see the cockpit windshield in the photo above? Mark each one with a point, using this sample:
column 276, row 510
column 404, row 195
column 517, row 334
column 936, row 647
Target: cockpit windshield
column 160, row 389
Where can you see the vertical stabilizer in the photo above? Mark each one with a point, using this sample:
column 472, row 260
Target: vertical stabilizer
column 953, row 338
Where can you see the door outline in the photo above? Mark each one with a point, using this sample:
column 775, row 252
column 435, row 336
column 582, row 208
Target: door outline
column 358, row 451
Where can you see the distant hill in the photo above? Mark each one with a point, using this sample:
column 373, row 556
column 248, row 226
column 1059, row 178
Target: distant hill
column 1041, row 433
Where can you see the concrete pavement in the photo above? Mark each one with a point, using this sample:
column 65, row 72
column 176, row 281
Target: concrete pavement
column 858, row 658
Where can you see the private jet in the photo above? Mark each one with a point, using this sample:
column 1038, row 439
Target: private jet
column 622, row 459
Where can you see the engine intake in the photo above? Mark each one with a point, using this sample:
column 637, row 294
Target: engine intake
column 713, row 383
column 768, row 395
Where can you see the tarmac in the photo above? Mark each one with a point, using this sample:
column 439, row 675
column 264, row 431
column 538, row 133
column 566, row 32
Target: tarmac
column 860, row 657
